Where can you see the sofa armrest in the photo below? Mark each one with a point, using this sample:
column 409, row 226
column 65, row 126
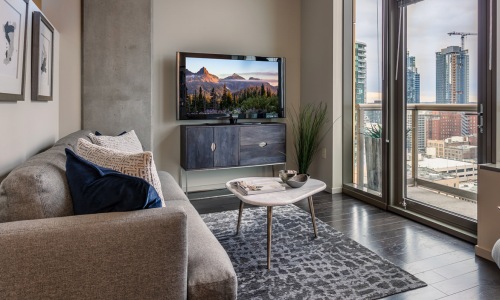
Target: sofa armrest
column 170, row 187
column 129, row 255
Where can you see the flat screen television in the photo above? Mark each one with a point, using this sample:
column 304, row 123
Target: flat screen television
column 215, row 86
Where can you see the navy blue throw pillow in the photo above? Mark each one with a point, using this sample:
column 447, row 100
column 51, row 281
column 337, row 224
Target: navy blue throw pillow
column 95, row 189
column 99, row 134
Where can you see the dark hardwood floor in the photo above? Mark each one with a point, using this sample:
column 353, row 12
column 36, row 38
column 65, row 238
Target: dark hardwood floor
column 447, row 264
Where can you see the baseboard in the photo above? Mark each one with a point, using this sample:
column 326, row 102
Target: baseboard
column 484, row 253
column 203, row 188
column 337, row 190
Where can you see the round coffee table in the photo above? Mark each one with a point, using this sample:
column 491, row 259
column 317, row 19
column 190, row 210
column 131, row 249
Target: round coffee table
column 288, row 196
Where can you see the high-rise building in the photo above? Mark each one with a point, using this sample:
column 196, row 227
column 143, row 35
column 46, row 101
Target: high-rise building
column 422, row 132
column 360, row 72
column 412, row 80
column 452, row 75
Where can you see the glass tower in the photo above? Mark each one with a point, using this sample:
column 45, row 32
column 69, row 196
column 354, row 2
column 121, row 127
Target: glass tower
column 412, row 80
column 452, row 76
column 360, row 72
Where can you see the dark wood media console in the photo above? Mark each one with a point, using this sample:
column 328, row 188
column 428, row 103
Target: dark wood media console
column 213, row 146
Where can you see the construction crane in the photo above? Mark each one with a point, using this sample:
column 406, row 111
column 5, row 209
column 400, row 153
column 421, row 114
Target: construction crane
column 462, row 36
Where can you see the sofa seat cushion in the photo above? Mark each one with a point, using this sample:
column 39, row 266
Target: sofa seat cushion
column 210, row 272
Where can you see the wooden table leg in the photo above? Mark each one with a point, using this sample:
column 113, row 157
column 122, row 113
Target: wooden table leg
column 269, row 234
column 311, row 209
column 239, row 218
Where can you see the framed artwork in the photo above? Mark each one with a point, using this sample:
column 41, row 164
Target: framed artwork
column 12, row 48
column 42, row 55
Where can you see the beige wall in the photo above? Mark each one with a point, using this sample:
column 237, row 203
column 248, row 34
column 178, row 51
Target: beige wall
column 66, row 17
column 27, row 127
column 321, row 80
column 38, row 3
column 251, row 27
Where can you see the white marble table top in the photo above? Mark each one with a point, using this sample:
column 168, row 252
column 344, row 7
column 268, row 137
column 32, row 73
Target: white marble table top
column 288, row 196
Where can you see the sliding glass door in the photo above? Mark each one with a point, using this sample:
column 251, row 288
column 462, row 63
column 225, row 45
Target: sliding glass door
column 422, row 101
column 441, row 140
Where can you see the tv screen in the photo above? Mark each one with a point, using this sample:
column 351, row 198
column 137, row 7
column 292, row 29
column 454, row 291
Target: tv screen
column 214, row 86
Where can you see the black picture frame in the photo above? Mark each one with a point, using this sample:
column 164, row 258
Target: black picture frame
column 12, row 87
column 42, row 85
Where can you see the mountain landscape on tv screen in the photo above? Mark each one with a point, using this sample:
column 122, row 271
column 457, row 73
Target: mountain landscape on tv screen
column 233, row 94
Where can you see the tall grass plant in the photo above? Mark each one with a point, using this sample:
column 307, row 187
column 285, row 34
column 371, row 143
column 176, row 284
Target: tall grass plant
column 310, row 126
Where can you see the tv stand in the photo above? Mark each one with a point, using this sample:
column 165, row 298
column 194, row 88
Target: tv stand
column 223, row 146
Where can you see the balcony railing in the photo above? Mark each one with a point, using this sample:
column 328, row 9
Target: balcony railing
column 372, row 113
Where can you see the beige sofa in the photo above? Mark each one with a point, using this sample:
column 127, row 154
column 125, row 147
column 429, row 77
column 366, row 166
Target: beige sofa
column 47, row 252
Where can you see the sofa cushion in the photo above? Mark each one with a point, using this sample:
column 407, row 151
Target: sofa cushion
column 97, row 133
column 210, row 272
column 139, row 164
column 128, row 142
column 96, row 190
column 38, row 188
column 71, row 139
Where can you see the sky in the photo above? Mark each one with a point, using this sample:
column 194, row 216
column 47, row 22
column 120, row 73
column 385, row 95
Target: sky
column 265, row 70
column 429, row 22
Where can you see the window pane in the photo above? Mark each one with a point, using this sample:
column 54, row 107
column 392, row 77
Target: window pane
column 367, row 100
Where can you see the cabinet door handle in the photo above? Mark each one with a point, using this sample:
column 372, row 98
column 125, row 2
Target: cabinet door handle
column 213, row 147
column 262, row 144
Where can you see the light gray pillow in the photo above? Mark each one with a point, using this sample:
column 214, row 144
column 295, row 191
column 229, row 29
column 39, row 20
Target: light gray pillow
column 495, row 253
column 139, row 164
column 128, row 142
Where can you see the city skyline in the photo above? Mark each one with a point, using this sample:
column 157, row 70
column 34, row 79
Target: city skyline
column 428, row 25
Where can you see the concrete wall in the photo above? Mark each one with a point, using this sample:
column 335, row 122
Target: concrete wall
column 321, row 81
column 248, row 27
column 28, row 127
column 117, row 66
column 69, row 25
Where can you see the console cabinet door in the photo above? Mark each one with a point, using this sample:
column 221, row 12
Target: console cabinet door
column 226, row 141
column 263, row 144
column 198, row 147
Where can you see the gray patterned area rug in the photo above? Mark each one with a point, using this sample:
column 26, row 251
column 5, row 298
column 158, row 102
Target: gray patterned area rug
column 329, row 267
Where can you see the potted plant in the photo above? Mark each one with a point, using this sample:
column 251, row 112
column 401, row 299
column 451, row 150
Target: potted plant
column 309, row 127
column 373, row 152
